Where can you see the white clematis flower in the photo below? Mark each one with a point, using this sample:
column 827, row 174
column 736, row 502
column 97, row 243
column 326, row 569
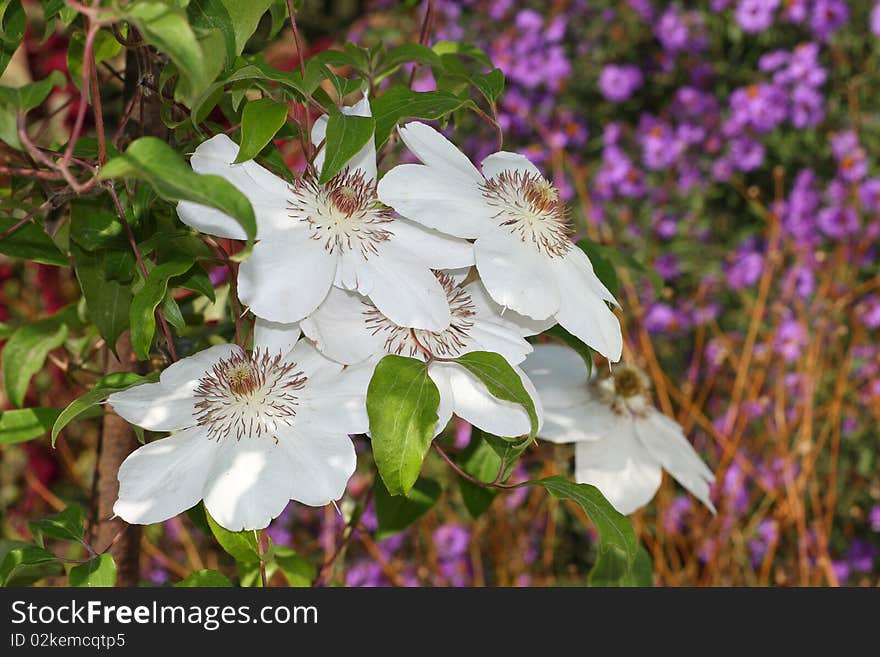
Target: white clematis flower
column 313, row 236
column 251, row 432
column 350, row 329
column 622, row 443
column 523, row 252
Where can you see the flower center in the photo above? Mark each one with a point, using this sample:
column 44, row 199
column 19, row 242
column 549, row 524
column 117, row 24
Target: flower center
column 530, row 205
column 248, row 396
column 419, row 343
column 344, row 214
column 629, row 382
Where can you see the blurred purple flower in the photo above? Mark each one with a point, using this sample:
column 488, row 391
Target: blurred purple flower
column 619, row 82
column 755, row 15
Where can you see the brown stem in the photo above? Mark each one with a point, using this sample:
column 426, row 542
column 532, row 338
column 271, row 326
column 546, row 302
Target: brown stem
column 118, row 440
column 464, row 475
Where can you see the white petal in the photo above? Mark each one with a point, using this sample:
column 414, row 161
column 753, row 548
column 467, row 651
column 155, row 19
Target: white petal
column 365, row 159
column 440, row 376
column 284, row 280
column 267, row 192
column 589, row 420
column 448, row 204
column 516, row 275
column 315, row 365
column 275, row 337
column 164, row 477
column 665, row 441
column 487, row 306
column 338, row 404
column 474, row 403
column 436, row 151
column 559, row 374
column 406, row 291
column 156, row 406
column 502, row 161
column 583, row 312
column 249, row 482
column 626, row 474
column 187, row 371
column 319, row 465
column 339, row 330
column 437, row 250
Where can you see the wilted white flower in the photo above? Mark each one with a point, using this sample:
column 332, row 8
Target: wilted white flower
column 314, row 236
column 622, row 442
column 349, row 329
column 523, row 249
column 251, row 432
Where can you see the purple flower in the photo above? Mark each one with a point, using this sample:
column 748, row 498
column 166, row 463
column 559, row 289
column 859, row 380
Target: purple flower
column 745, row 270
column 755, row 15
column 838, row 222
column 451, row 541
column 667, row 266
column 672, row 31
column 841, row 570
column 807, row 107
column 861, row 555
column 366, row 574
column 675, row 514
column 746, row 154
column 791, row 338
column 827, row 17
column 852, row 161
column 869, row 195
column 875, row 20
column 619, row 83
column 874, row 518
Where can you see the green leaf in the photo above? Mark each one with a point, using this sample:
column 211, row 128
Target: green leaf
column 205, row 579
column 346, row 136
column 142, row 315
column 617, row 540
column 154, row 161
column 111, row 383
column 27, row 97
column 491, row 84
column 100, row 572
column 641, row 574
column 94, row 225
column 397, row 512
column 26, row 424
column 66, row 525
column 108, row 300
column 298, row 571
column 30, row 242
column 22, row 566
column 242, row 546
column 463, row 50
column 501, row 380
column 402, row 403
column 400, row 102
column 197, row 280
column 166, row 27
column 260, row 120
column 479, row 460
column 406, row 53
column 105, row 47
column 27, row 348
column 13, row 22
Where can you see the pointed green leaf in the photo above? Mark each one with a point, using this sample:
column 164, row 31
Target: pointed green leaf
column 346, row 136
column 26, row 424
column 501, row 380
column 260, row 120
column 397, row 512
column 31, row 243
column 400, row 102
column 402, row 403
column 205, row 579
column 98, row 395
column 242, row 546
column 142, row 315
column 154, row 161
column 22, row 566
column 26, row 351
column 67, row 525
column 100, row 572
